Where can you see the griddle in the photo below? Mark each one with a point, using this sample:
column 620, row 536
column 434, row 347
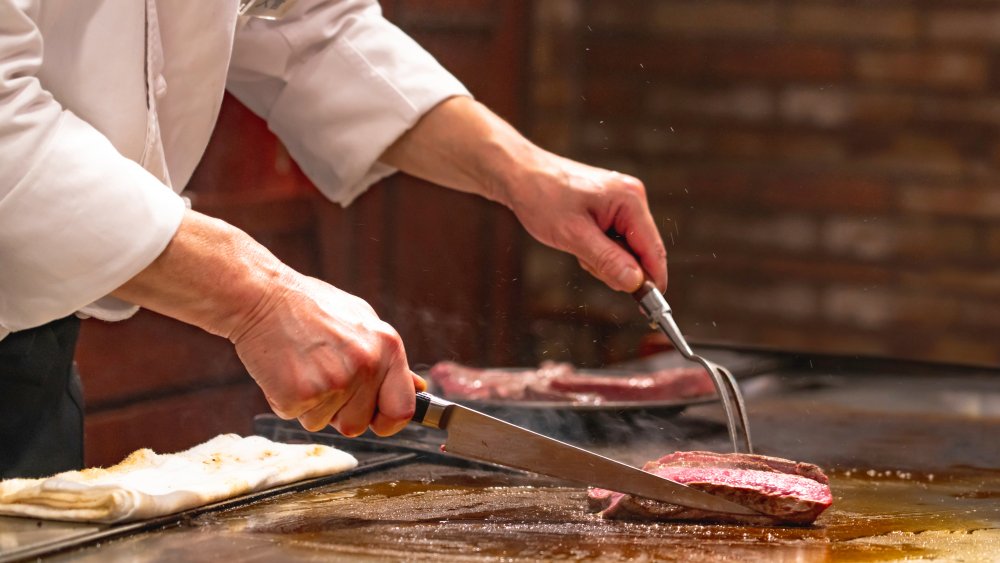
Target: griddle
column 911, row 450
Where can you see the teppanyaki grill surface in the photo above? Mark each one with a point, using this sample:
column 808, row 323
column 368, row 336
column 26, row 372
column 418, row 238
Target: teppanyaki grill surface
column 428, row 512
column 911, row 454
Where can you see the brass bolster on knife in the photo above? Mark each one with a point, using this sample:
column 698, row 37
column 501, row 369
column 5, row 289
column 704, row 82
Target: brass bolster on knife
column 431, row 410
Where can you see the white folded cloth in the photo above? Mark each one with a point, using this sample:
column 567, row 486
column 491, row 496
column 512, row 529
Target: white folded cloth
column 147, row 484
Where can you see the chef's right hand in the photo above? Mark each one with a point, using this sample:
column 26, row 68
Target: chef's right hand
column 324, row 357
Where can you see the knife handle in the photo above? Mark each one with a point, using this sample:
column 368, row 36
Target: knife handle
column 430, row 410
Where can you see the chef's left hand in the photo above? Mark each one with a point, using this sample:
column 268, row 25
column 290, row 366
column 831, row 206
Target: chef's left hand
column 567, row 205
column 570, row 206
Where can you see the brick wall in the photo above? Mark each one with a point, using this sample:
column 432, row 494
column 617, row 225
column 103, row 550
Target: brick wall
column 825, row 173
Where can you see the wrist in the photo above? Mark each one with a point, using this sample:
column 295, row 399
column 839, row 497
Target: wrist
column 211, row 275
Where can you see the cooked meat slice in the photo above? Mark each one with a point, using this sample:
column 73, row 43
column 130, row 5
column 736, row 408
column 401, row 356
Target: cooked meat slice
column 783, row 491
column 664, row 385
column 554, row 381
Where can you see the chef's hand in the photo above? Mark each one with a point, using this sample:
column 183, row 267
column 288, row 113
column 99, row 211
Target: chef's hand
column 570, row 206
column 324, row 357
column 319, row 354
column 564, row 204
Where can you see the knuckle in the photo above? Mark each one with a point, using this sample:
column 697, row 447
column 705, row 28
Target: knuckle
column 389, row 341
column 606, row 259
column 360, row 359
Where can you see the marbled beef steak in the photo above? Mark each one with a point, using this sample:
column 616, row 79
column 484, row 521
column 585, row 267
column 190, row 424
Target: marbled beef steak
column 783, row 491
column 554, row 381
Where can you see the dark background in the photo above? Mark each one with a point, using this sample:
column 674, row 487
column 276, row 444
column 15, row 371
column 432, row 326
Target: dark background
column 823, row 173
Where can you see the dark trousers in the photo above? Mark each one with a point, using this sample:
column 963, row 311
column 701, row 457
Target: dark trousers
column 41, row 401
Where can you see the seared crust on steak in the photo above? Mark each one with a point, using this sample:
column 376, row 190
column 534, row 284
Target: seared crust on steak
column 783, row 491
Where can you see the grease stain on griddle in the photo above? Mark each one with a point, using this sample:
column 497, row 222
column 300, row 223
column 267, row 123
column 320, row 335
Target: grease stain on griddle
column 460, row 516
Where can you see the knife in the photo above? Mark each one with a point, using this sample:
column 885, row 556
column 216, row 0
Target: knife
column 481, row 437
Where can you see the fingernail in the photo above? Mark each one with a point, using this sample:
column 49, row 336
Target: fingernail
column 630, row 278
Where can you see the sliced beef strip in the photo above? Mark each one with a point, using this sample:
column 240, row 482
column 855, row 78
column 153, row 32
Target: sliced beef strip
column 664, row 385
column 554, row 381
column 783, row 491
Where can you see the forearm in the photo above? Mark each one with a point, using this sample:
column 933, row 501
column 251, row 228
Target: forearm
column 211, row 275
column 568, row 205
column 463, row 145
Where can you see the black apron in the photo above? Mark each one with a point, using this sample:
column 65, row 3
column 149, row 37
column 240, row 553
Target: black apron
column 41, row 401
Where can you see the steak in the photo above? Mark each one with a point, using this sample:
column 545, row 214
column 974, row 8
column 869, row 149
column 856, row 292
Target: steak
column 554, row 381
column 783, row 491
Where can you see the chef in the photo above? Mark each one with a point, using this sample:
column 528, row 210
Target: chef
column 106, row 108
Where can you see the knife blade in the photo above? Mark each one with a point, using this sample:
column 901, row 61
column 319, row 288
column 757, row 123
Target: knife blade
column 482, row 437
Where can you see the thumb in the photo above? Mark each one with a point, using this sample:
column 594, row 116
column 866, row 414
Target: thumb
column 608, row 261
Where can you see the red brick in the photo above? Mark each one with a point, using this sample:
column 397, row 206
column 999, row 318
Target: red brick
column 867, row 238
column 794, row 233
column 980, row 283
column 716, row 17
column 923, row 241
column 942, row 70
column 721, row 185
column 556, row 92
column 880, row 238
column 657, row 141
column 979, row 111
column 644, row 57
column 743, row 103
column 902, row 152
column 842, row 22
column 553, row 133
column 602, row 135
column 964, row 25
column 822, row 107
column 826, row 192
column 604, row 97
column 629, row 15
column 806, row 148
column 786, row 301
column 787, row 61
column 884, row 108
column 971, row 202
column 730, row 143
column 883, row 308
column 993, row 247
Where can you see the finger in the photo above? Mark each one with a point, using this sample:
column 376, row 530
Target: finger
column 396, row 402
column 607, row 261
column 278, row 411
column 318, row 417
column 419, row 383
column 353, row 418
column 635, row 222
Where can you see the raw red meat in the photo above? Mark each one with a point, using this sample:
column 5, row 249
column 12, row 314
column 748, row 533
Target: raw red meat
column 783, row 491
column 561, row 382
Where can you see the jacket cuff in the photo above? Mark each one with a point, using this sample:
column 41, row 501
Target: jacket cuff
column 82, row 222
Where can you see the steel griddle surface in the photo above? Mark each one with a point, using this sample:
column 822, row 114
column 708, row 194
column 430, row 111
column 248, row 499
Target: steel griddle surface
column 424, row 512
column 909, row 458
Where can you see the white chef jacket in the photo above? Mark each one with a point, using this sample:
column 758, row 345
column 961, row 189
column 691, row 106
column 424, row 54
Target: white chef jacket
column 107, row 105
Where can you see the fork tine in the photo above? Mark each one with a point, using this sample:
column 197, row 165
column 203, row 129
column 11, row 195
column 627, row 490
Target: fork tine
column 656, row 308
column 736, row 411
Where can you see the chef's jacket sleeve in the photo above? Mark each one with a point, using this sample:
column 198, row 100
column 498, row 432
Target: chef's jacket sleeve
column 338, row 84
column 77, row 219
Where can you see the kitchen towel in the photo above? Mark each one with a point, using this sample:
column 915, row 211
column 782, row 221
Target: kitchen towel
column 147, row 484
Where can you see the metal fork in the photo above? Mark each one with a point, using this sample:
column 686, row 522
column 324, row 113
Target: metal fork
column 656, row 308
